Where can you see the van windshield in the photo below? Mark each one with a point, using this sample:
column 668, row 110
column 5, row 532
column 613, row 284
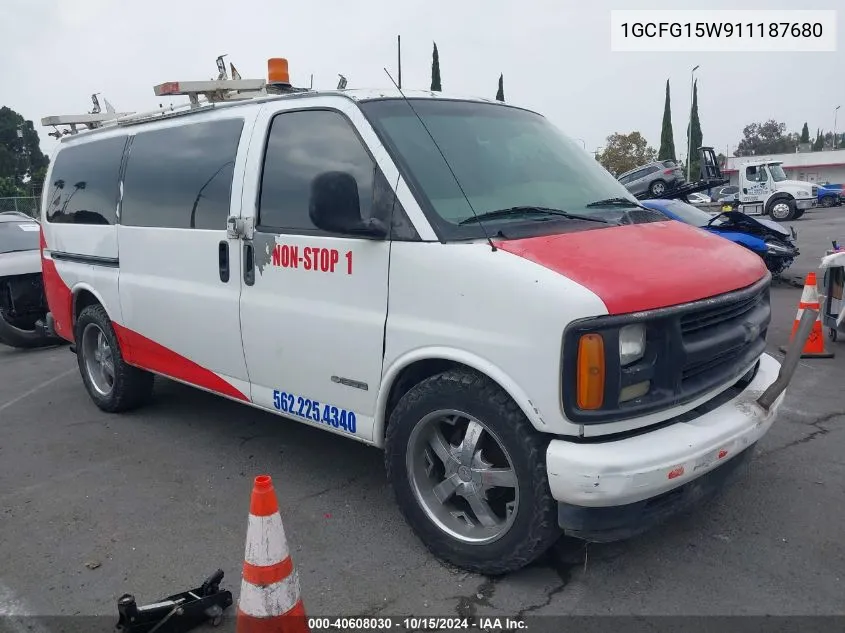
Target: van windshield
column 503, row 157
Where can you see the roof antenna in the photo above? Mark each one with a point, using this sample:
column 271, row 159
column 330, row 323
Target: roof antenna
column 443, row 156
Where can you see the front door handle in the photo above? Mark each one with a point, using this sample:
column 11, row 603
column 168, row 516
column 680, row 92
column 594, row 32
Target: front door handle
column 249, row 264
column 223, row 260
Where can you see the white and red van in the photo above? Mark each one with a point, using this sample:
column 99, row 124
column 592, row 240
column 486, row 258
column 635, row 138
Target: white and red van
column 452, row 280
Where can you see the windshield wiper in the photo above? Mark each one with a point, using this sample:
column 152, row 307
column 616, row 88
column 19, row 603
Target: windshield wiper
column 608, row 202
column 514, row 212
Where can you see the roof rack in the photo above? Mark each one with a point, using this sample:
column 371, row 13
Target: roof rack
column 200, row 94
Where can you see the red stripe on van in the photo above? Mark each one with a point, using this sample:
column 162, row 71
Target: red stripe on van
column 59, row 296
column 145, row 353
column 644, row 266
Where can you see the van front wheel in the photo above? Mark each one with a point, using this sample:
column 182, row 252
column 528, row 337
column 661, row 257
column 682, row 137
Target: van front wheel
column 112, row 383
column 469, row 473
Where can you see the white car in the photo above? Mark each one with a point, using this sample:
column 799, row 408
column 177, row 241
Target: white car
column 698, row 198
column 22, row 303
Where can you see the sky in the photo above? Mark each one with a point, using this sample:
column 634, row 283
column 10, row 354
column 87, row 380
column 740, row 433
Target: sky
column 555, row 56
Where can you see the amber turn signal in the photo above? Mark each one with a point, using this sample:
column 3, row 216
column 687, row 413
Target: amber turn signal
column 590, row 371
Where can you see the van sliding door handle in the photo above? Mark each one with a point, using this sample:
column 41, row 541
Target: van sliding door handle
column 223, row 260
column 249, row 264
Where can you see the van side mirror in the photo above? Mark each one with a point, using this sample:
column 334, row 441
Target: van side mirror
column 335, row 207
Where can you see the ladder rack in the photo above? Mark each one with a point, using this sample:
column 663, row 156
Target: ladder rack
column 201, row 94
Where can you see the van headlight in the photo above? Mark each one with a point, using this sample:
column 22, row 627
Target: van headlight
column 631, row 343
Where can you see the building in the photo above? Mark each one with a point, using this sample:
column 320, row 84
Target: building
column 818, row 167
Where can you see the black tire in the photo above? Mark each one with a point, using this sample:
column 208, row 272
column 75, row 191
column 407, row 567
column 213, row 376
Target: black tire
column 775, row 210
column 534, row 525
column 131, row 387
column 657, row 188
column 828, row 201
column 798, row 213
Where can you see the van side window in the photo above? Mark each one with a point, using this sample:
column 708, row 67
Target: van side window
column 305, row 144
column 181, row 177
column 84, row 187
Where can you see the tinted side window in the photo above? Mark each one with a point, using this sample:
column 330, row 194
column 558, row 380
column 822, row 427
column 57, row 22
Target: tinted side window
column 181, row 177
column 301, row 146
column 84, row 185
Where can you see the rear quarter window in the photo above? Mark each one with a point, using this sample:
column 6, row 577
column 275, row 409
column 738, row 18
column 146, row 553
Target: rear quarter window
column 181, row 177
column 83, row 186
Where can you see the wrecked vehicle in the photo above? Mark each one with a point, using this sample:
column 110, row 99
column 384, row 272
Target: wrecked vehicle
column 771, row 241
column 23, row 306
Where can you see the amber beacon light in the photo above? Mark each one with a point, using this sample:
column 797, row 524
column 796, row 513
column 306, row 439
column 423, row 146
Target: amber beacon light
column 590, row 371
column 277, row 71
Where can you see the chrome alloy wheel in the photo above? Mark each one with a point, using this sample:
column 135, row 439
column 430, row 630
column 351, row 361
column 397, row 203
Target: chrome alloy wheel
column 462, row 477
column 99, row 359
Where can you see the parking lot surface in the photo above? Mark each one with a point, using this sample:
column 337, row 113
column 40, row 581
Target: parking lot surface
column 93, row 505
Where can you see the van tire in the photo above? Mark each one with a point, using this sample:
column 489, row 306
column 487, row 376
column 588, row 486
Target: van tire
column 782, row 209
column 532, row 524
column 130, row 387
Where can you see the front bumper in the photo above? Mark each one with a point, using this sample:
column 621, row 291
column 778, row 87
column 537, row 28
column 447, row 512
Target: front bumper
column 806, row 203
column 590, row 479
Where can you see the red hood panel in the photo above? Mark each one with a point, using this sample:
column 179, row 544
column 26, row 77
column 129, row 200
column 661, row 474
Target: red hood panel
column 644, row 266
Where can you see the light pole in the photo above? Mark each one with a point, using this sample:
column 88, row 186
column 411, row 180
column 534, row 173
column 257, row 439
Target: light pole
column 583, row 142
column 835, row 112
column 689, row 133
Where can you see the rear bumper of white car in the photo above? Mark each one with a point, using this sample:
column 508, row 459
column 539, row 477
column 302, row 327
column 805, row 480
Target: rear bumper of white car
column 614, row 489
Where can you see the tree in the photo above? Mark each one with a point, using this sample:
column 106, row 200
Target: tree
column 435, row 70
column 818, row 144
column 500, row 93
column 21, row 158
column 667, row 137
column 623, row 152
column 9, row 188
column 805, row 133
column 769, row 137
column 694, row 137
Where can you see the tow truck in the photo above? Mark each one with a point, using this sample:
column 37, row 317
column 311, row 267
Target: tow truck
column 765, row 189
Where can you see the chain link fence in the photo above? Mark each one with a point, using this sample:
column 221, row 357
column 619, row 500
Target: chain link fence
column 29, row 205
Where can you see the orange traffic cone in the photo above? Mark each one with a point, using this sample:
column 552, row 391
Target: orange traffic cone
column 270, row 596
column 814, row 346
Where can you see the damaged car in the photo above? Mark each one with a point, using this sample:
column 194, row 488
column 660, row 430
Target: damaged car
column 23, row 306
column 773, row 242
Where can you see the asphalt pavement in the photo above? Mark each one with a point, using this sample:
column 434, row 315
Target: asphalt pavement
column 93, row 505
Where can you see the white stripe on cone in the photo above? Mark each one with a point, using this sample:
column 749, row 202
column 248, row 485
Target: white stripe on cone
column 801, row 313
column 810, row 294
column 265, row 540
column 272, row 600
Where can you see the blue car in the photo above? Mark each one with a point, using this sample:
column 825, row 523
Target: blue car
column 770, row 240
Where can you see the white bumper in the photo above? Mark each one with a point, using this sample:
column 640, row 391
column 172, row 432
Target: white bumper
column 625, row 471
column 806, row 203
